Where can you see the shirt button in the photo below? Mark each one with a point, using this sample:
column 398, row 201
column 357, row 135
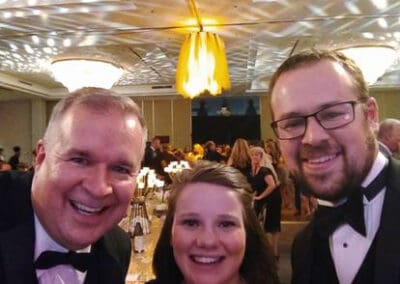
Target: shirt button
column 345, row 245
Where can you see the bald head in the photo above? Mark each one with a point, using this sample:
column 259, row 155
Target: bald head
column 389, row 134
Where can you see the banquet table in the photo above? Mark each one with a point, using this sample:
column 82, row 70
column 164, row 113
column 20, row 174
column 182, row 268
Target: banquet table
column 140, row 269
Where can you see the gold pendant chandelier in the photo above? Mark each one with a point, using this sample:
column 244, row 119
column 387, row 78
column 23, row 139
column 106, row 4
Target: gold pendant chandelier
column 202, row 65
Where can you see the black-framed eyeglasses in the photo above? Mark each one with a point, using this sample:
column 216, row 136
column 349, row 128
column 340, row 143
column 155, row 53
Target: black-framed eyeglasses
column 330, row 117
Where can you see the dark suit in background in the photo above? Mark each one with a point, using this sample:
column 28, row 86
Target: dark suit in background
column 17, row 233
column 14, row 161
column 152, row 159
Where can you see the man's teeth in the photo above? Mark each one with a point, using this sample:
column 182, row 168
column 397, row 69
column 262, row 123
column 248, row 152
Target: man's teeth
column 86, row 209
column 321, row 159
column 206, row 260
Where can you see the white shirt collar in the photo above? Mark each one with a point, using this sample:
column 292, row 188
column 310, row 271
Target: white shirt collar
column 377, row 166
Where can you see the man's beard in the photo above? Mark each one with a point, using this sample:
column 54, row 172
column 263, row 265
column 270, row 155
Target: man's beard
column 335, row 192
column 349, row 179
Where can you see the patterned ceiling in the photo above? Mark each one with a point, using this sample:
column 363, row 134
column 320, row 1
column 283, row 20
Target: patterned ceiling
column 144, row 37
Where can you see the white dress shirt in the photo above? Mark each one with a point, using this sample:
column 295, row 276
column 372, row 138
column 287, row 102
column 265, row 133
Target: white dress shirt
column 348, row 248
column 60, row 274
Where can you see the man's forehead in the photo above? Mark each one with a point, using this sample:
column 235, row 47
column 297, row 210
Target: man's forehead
column 319, row 80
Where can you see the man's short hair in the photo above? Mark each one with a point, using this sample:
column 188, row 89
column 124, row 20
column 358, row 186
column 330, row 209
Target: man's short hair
column 96, row 99
column 313, row 56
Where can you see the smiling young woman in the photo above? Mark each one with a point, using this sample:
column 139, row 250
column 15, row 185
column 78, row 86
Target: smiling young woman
column 211, row 234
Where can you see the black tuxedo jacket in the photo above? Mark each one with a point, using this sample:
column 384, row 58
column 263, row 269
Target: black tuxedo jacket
column 387, row 259
column 112, row 252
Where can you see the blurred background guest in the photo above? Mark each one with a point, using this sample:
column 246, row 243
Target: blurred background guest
column 240, row 157
column 224, row 150
column 166, row 156
column 14, row 159
column 389, row 137
column 152, row 155
column 179, row 155
column 267, row 195
column 272, row 149
column 196, row 154
column 2, row 158
column 211, row 152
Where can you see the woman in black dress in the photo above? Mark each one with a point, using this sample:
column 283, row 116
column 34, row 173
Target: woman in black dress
column 266, row 193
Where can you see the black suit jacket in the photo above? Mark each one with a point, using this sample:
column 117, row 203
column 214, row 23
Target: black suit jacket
column 112, row 252
column 387, row 259
column 152, row 159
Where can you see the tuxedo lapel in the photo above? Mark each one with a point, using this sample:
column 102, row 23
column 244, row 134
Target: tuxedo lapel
column 387, row 263
column 302, row 258
column 104, row 268
column 17, row 249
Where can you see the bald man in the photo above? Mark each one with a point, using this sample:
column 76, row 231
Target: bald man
column 389, row 137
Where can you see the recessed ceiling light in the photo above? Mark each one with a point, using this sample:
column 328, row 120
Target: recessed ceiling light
column 380, row 4
column 382, row 23
column 35, row 39
column 28, row 48
column 67, row 42
column 13, row 47
column 368, row 35
column 352, row 8
column 50, row 42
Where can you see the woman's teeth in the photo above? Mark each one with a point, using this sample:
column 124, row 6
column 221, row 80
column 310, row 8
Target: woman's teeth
column 206, row 260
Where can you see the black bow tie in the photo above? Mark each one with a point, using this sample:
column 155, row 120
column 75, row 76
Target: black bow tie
column 327, row 219
column 48, row 259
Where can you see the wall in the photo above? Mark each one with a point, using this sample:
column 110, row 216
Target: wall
column 388, row 102
column 15, row 128
column 266, row 130
column 22, row 122
column 168, row 116
column 38, row 121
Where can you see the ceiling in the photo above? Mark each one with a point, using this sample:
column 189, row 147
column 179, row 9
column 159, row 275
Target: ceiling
column 144, row 37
